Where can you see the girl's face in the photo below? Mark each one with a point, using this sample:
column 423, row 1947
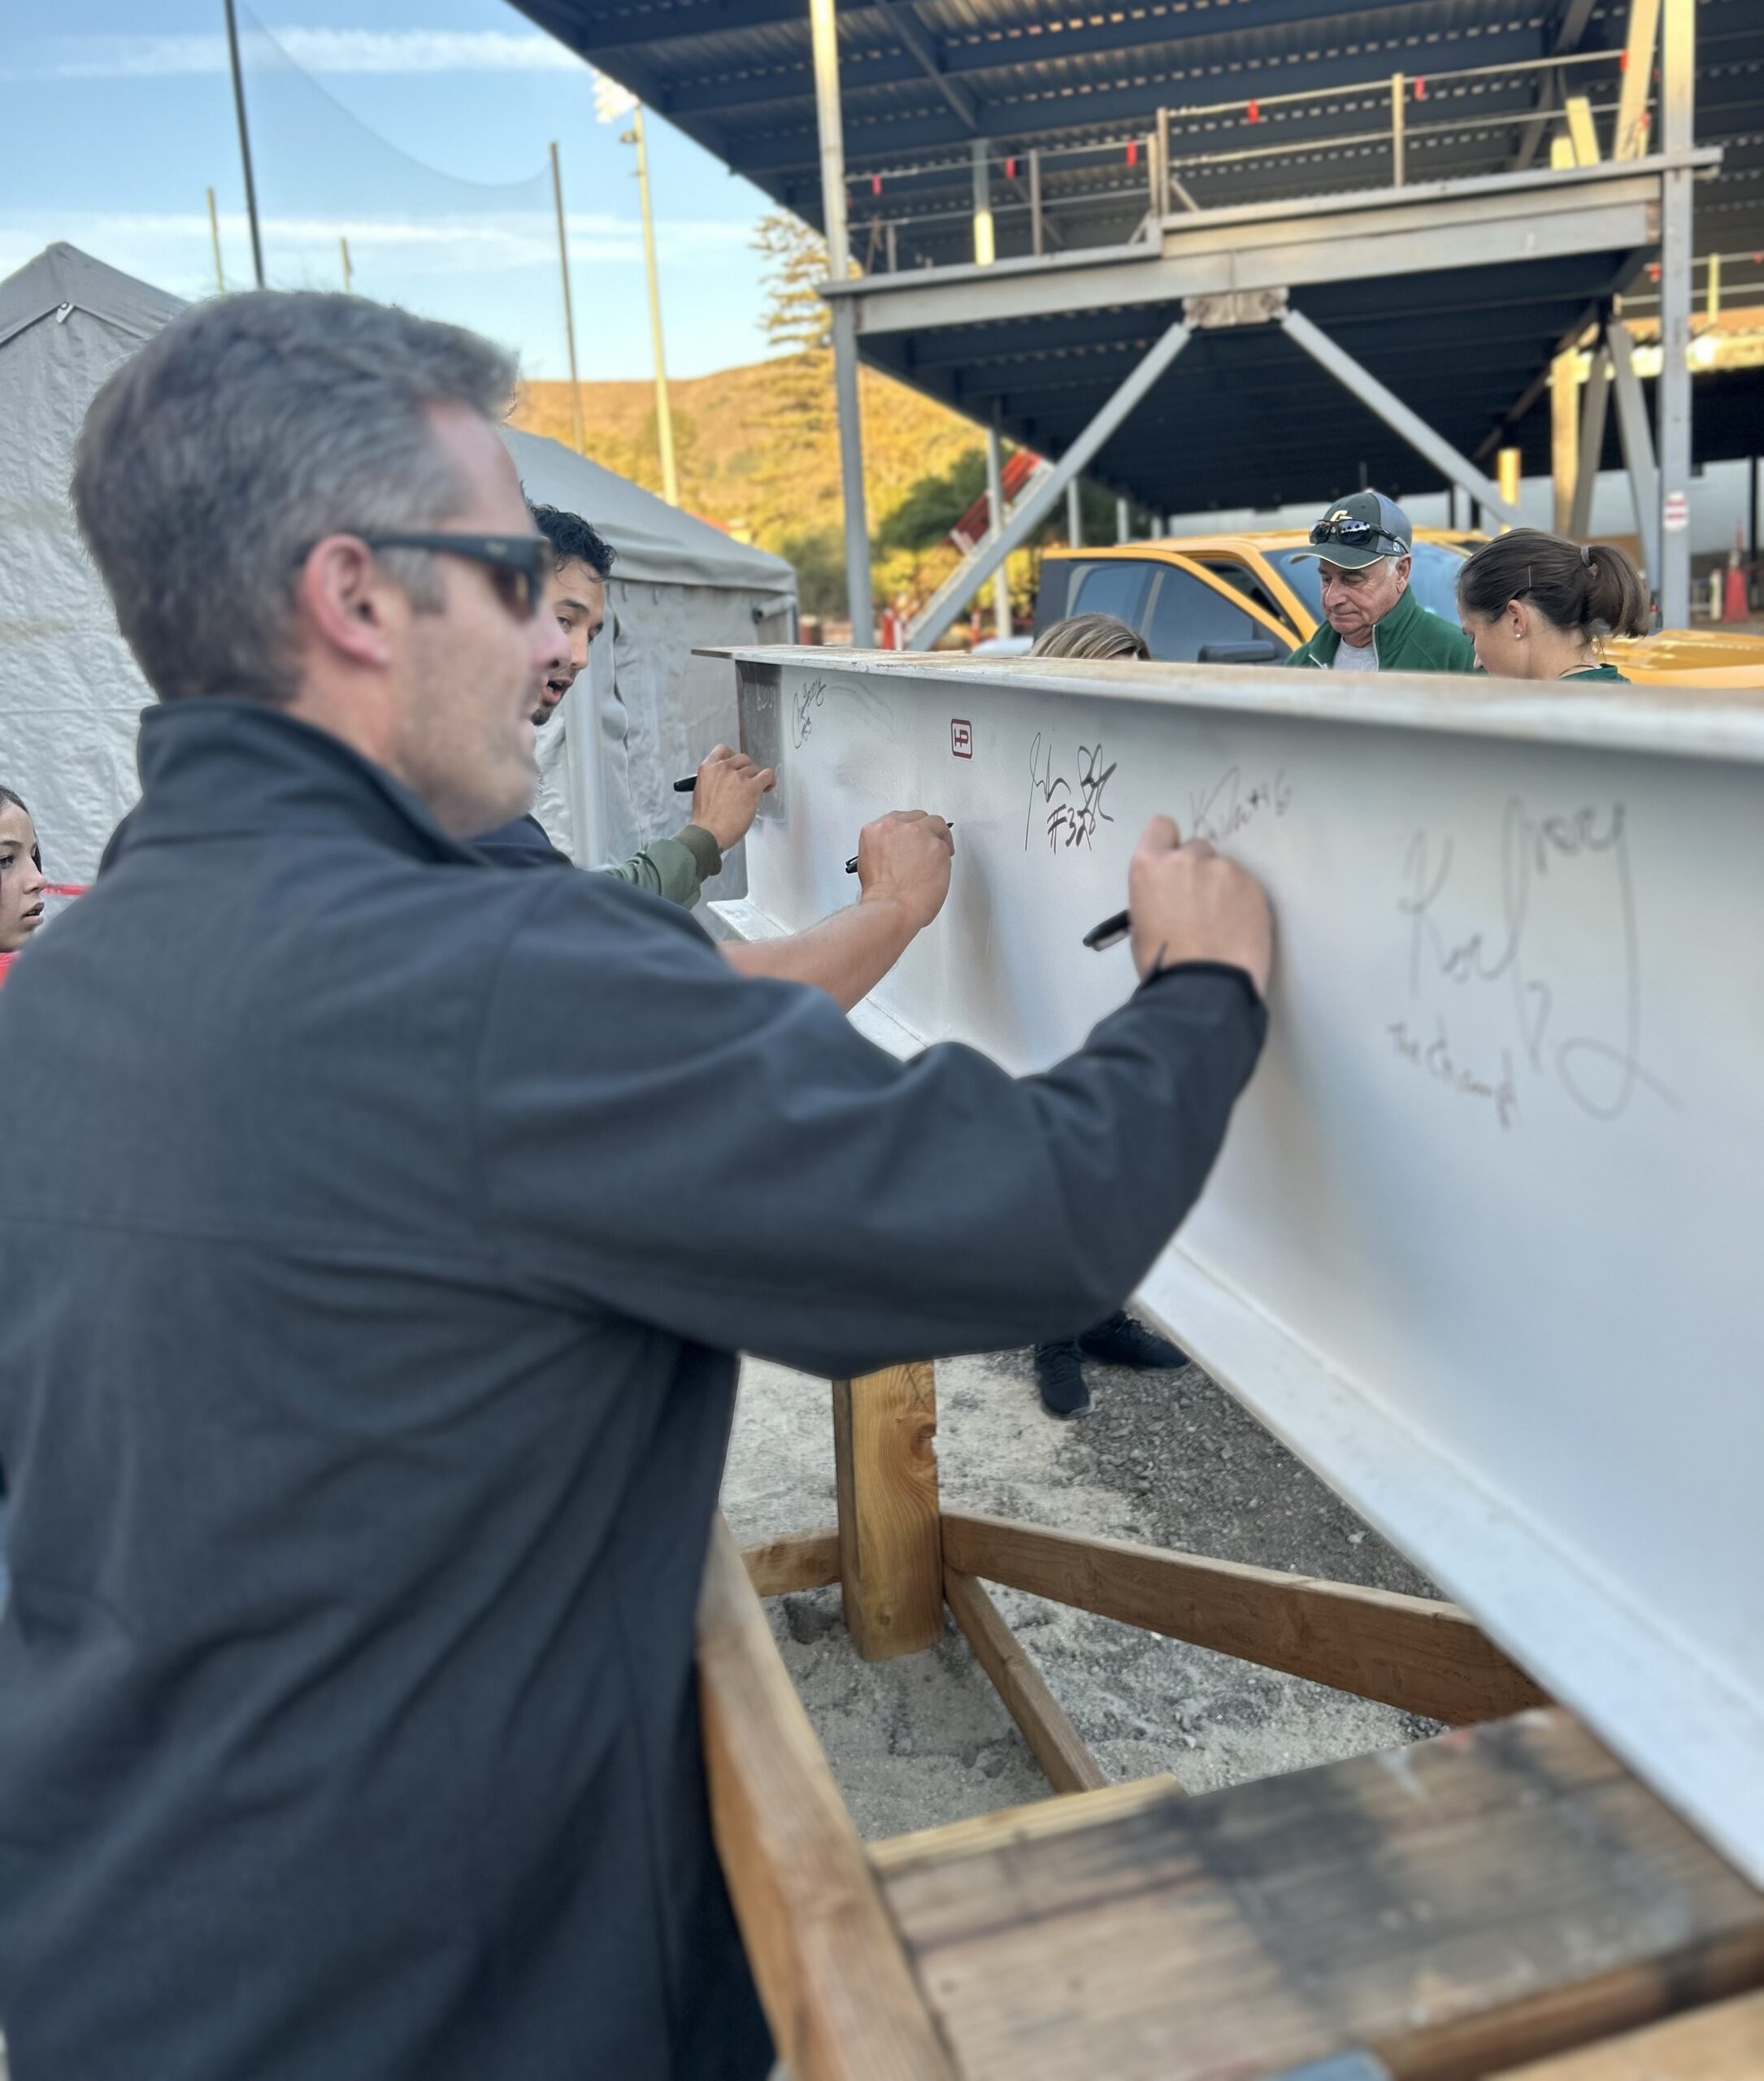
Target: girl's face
column 21, row 878
column 1501, row 640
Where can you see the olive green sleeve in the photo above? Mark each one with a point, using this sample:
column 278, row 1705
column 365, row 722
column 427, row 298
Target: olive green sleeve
column 674, row 868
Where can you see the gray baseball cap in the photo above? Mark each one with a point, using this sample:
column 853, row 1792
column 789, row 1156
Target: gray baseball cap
column 1358, row 530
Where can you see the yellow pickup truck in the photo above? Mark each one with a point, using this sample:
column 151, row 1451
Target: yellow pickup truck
column 1252, row 599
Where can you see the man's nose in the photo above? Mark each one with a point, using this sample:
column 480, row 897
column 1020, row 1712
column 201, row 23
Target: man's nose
column 553, row 646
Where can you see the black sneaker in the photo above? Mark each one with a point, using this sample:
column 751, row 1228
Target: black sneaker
column 1060, row 1375
column 1121, row 1341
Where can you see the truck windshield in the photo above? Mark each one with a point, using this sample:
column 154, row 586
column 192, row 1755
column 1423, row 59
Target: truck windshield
column 1432, row 579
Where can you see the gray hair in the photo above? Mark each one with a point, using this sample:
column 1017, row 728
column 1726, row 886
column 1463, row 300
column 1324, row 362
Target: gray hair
column 247, row 430
column 1091, row 635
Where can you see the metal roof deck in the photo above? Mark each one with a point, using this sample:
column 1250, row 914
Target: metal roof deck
column 1078, row 81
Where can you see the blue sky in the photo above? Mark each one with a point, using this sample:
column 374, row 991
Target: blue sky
column 418, row 127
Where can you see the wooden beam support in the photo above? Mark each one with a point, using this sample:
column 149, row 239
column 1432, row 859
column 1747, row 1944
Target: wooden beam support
column 1496, row 1895
column 890, row 1551
column 1631, row 140
column 1722, row 2042
column 838, row 1990
column 1013, row 1826
column 1055, row 1743
column 804, row 1561
column 1410, row 1651
column 1564, row 436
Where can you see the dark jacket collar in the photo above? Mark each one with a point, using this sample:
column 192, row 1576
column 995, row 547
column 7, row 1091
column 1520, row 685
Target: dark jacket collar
column 216, row 767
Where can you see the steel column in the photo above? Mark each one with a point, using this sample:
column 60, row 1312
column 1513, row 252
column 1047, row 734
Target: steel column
column 1074, row 516
column 1455, row 468
column 823, row 30
column 1122, row 530
column 1043, row 493
column 1593, row 409
column 1638, row 447
column 995, row 503
column 245, row 143
column 1672, row 397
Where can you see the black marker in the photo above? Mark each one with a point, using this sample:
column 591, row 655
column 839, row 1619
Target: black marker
column 686, row 786
column 1111, row 932
column 851, row 865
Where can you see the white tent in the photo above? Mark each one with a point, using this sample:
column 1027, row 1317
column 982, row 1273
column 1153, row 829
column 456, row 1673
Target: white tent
column 70, row 694
column 70, row 697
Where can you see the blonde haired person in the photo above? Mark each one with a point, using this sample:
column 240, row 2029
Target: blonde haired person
column 1539, row 607
column 1090, row 636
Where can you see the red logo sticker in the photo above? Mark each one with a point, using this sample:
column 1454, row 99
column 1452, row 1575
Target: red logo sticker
column 961, row 739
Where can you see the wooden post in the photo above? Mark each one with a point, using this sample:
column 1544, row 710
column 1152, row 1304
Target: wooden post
column 1398, row 88
column 890, row 1534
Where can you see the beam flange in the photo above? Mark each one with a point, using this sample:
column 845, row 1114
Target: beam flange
column 1637, row 441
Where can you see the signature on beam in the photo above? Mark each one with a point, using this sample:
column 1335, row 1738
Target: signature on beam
column 810, row 697
column 1070, row 809
column 1598, row 1062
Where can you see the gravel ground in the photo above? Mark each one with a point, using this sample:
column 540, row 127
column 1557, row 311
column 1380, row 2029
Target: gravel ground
column 1167, row 1458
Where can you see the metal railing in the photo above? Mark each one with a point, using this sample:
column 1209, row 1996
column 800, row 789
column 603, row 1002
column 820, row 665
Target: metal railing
column 1151, row 161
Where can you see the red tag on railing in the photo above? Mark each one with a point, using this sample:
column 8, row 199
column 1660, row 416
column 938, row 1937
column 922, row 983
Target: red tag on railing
column 1010, row 169
column 1255, row 111
column 1421, row 89
column 1133, row 151
column 875, row 183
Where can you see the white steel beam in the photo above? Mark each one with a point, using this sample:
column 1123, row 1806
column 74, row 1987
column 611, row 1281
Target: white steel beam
column 1041, row 494
column 1637, row 445
column 1456, row 468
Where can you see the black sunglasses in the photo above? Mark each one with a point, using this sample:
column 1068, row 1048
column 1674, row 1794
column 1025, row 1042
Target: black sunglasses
column 518, row 565
column 1356, row 534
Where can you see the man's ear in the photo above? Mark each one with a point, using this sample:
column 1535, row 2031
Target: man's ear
column 1405, row 565
column 346, row 601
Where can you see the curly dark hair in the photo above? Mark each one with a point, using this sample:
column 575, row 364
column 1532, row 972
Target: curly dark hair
column 571, row 538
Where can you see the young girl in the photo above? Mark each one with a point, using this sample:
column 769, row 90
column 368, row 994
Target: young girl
column 1537, row 607
column 22, row 884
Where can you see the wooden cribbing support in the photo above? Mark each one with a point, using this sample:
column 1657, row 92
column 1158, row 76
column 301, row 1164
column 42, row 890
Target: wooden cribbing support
column 838, row 1992
column 804, row 1561
column 1723, row 2042
column 1410, row 1651
column 890, row 1548
column 1055, row 1743
column 1498, row 1894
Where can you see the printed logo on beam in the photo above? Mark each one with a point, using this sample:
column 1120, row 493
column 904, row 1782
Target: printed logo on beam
column 961, row 738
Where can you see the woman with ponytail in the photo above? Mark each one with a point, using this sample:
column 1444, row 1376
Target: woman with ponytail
column 1538, row 607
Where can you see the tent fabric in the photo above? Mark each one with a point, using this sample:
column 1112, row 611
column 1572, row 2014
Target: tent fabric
column 655, row 542
column 71, row 696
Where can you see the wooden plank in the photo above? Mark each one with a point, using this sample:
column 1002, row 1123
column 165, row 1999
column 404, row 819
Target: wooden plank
column 1405, row 1651
column 838, row 1992
column 890, row 1550
column 956, row 1840
column 1723, row 2042
column 1493, row 1896
column 803, row 1561
column 1055, row 1743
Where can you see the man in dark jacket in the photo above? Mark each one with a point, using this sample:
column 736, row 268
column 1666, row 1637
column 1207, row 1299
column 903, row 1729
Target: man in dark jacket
column 378, row 1229
column 1372, row 621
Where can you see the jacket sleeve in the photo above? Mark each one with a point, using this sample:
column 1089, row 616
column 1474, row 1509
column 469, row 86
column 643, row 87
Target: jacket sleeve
column 728, row 1159
column 675, row 868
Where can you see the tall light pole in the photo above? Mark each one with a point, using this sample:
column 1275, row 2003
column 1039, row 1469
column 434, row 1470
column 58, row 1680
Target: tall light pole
column 612, row 103
column 569, row 312
column 245, row 141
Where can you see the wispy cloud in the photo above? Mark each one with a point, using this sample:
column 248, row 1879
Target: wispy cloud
column 171, row 247
column 337, row 51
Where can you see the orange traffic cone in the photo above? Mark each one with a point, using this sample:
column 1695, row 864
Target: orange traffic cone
column 1734, row 606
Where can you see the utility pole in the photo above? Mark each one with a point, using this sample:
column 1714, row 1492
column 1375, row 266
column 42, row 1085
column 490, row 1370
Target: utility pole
column 349, row 272
column 569, row 312
column 245, row 142
column 214, row 234
column 664, row 418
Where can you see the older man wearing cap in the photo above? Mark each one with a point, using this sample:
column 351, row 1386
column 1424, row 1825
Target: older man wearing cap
column 1372, row 623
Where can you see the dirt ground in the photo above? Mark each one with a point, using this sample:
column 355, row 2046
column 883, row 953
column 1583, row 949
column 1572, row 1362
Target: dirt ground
column 1167, row 1458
